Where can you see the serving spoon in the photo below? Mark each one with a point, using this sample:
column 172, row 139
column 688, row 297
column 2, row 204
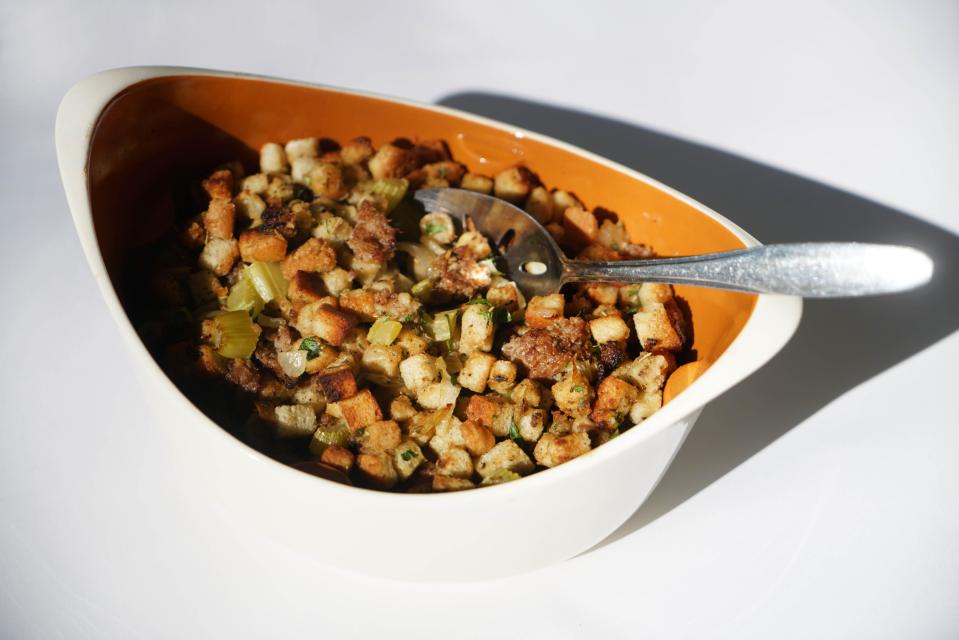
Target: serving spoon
column 534, row 261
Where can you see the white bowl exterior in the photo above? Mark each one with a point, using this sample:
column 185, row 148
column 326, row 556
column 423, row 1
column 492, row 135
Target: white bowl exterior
column 484, row 533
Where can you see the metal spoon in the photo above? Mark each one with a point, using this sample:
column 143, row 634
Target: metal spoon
column 535, row 262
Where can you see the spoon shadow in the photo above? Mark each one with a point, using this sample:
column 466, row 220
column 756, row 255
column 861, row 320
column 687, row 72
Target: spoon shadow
column 840, row 343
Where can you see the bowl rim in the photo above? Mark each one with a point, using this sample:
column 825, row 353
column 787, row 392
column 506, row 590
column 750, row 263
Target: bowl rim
column 771, row 323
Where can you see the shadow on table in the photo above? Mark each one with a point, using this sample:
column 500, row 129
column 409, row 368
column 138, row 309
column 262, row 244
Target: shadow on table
column 839, row 343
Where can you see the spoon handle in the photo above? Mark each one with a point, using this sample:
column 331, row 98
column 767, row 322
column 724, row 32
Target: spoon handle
column 810, row 270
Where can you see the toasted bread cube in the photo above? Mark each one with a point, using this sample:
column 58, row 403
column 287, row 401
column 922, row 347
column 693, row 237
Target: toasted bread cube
column 653, row 292
column 280, row 188
column 337, row 280
column 609, row 329
column 530, row 393
column 209, row 361
column 382, row 435
column 648, row 404
column 382, row 361
column 602, row 293
column 337, row 385
column 273, row 158
column 573, row 394
column 219, row 218
column 419, row 371
column 658, row 327
column 580, row 226
column 302, row 148
column 504, row 293
column 357, row 151
column 326, row 180
column 438, row 227
column 249, row 206
column 514, row 184
column 392, row 162
column 446, row 432
column 309, row 394
column 563, row 200
column 502, row 376
column 482, row 409
column 326, row 356
column 218, row 255
column 455, row 463
column 257, row 245
column 476, row 371
column 553, row 450
column 300, row 167
column 255, row 184
column 332, row 228
column 219, row 186
column 305, row 287
column 437, row 395
column 411, row 342
column 205, row 287
column 505, row 456
column 377, row 469
column 531, row 424
column 446, row 483
column 614, row 399
column 543, row 310
column 407, row 457
column 294, row 421
column 539, row 204
column 358, row 411
column 337, row 456
column 314, row 255
column 402, row 409
column 476, row 438
column 477, row 182
column 648, row 372
column 325, row 321
column 476, row 329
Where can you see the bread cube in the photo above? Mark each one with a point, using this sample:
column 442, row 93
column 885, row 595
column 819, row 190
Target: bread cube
column 573, row 394
column 505, row 456
column 529, row 393
column 337, row 456
column 476, row 371
column 219, row 218
column 302, row 148
column 443, row 483
column 294, row 421
column 659, row 327
column 437, row 395
column 273, row 158
column 648, row 372
column 419, row 371
column 257, row 245
column 357, row 151
column 218, row 255
column 455, row 463
column 402, row 409
column 531, row 424
column 653, row 292
column 580, row 226
column 314, row 255
column 477, row 182
column 337, row 385
column 502, row 376
column 514, row 184
column 482, row 409
column 476, row 329
column 359, row 410
column 553, row 450
column 543, row 310
column 392, row 162
column 325, row 321
column 476, row 438
column 614, row 399
column 326, row 180
column 539, row 204
column 305, row 287
column 382, row 435
column 407, row 457
column 609, row 329
column 377, row 469
column 648, row 404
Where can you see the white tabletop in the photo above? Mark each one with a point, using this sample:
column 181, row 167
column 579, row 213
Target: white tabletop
column 817, row 499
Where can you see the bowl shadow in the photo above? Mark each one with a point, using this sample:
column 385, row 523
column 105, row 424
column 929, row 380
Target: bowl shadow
column 839, row 343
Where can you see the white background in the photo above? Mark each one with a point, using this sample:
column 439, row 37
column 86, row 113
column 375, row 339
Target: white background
column 817, row 500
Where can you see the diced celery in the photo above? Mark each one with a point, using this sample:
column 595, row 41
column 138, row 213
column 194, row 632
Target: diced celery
column 422, row 289
column 384, row 331
column 393, row 189
column 444, row 327
column 324, row 436
column 267, row 279
column 243, row 297
column 238, row 335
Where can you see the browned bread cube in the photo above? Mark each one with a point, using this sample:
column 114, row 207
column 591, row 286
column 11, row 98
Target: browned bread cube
column 262, row 246
column 314, row 255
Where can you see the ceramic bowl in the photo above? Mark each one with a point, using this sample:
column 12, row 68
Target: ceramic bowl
column 124, row 136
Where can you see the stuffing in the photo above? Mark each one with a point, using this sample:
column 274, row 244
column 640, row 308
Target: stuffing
column 481, row 386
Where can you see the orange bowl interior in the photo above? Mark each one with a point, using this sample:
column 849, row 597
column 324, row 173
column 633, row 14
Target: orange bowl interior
column 163, row 131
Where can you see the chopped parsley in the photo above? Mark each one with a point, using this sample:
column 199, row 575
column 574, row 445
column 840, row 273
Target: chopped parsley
column 432, row 228
column 578, row 388
column 408, row 455
column 312, row 346
column 514, row 431
column 480, row 301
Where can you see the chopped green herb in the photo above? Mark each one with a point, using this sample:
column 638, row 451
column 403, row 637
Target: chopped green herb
column 408, row 455
column 306, row 180
column 480, row 301
column 312, row 346
column 578, row 388
column 514, row 431
column 432, row 228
